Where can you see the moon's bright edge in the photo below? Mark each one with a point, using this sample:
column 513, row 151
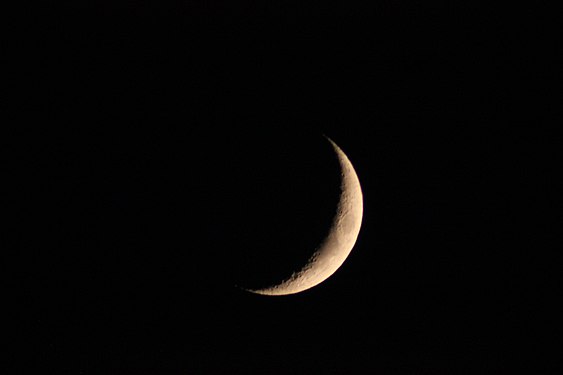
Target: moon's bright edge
column 337, row 245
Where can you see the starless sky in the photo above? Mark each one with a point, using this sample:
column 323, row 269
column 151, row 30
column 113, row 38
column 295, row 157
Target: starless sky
column 177, row 150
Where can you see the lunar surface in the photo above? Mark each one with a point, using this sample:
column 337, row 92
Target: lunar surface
column 337, row 245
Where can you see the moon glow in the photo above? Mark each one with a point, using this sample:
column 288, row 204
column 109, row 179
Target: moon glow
column 337, row 244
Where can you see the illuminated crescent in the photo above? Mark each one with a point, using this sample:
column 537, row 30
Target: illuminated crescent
column 337, row 245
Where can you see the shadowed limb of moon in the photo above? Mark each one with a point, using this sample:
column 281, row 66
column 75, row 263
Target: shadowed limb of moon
column 338, row 244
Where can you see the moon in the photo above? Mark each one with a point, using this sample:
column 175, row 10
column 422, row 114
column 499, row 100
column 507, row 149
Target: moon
column 338, row 243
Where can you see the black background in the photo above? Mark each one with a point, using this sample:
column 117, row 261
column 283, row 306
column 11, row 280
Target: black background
column 166, row 152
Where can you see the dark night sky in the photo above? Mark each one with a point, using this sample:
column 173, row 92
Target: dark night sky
column 165, row 152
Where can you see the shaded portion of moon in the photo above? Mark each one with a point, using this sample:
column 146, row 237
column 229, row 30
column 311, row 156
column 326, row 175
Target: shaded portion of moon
column 338, row 244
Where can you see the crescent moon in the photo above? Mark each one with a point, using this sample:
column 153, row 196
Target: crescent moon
column 338, row 244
